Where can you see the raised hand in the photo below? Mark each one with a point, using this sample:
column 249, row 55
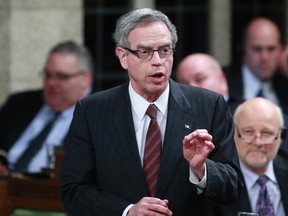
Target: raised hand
column 196, row 148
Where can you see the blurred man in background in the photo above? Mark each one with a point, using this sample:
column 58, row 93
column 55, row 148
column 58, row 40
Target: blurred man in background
column 31, row 121
column 258, row 74
column 202, row 70
column 258, row 134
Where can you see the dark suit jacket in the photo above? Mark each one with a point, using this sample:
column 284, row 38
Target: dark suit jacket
column 279, row 83
column 284, row 144
column 233, row 102
column 243, row 204
column 102, row 172
column 16, row 114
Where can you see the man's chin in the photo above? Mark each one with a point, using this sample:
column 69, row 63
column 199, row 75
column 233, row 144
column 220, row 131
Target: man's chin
column 257, row 161
column 54, row 105
column 266, row 75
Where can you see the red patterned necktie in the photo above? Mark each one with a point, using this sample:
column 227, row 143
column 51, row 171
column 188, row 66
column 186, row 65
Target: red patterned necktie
column 264, row 206
column 152, row 152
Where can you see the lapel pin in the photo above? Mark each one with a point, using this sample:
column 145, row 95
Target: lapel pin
column 186, row 126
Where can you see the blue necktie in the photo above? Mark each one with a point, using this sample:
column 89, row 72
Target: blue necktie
column 34, row 146
column 260, row 93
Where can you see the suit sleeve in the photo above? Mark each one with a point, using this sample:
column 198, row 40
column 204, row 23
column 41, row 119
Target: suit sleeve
column 224, row 178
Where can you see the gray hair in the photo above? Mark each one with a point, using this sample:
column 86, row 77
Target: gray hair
column 73, row 48
column 129, row 21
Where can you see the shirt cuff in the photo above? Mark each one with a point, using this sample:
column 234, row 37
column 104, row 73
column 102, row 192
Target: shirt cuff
column 200, row 184
column 127, row 209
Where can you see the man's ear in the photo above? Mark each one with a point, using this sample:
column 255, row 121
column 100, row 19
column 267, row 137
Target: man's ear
column 121, row 53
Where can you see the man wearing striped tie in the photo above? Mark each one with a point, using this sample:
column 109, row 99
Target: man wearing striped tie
column 150, row 146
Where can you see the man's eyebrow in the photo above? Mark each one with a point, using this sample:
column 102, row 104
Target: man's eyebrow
column 142, row 46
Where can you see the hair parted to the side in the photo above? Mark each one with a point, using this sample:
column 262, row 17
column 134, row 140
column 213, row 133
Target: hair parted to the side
column 129, row 21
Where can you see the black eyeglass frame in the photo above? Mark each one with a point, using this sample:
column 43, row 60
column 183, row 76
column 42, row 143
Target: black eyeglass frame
column 151, row 52
column 60, row 76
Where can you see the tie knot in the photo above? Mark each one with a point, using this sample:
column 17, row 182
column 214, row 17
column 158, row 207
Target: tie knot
column 262, row 180
column 260, row 93
column 56, row 114
column 54, row 117
column 152, row 111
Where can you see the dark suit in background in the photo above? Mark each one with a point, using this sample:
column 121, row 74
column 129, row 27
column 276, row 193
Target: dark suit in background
column 279, row 84
column 233, row 102
column 102, row 172
column 67, row 77
column 16, row 114
column 243, row 204
column 261, row 52
column 258, row 156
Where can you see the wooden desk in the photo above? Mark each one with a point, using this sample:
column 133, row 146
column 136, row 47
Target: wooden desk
column 32, row 193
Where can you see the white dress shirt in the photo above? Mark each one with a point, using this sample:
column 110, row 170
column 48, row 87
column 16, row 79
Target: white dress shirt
column 253, row 188
column 55, row 137
column 252, row 85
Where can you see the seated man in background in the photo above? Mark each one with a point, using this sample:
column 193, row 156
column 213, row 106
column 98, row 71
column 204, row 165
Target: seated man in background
column 202, row 70
column 257, row 74
column 258, row 134
column 32, row 120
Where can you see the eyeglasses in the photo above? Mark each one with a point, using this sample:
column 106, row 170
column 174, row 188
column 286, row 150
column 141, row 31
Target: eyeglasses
column 60, row 76
column 266, row 137
column 147, row 54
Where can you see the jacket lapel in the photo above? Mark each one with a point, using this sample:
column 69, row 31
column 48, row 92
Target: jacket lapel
column 179, row 124
column 125, row 139
column 281, row 172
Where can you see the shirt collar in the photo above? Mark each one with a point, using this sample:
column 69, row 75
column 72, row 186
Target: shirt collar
column 140, row 105
column 65, row 113
column 251, row 177
column 252, row 83
column 226, row 97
